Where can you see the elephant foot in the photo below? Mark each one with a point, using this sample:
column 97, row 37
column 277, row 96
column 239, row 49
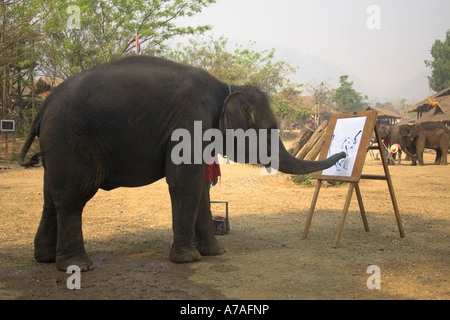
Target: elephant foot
column 45, row 253
column 210, row 248
column 184, row 254
column 80, row 259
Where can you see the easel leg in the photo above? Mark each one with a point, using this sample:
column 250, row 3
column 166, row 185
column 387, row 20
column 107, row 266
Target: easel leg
column 344, row 213
column 311, row 210
column 397, row 213
column 390, row 186
column 361, row 207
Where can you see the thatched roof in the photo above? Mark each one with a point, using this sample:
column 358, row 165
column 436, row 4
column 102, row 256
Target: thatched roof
column 42, row 85
column 439, row 113
column 385, row 112
column 48, row 83
column 434, row 108
column 426, row 105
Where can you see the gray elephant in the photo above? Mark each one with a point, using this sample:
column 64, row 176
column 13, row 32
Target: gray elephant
column 392, row 135
column 431, row 135
column 114, row 125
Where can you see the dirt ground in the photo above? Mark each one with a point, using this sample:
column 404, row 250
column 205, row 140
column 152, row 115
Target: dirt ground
column 128, row 236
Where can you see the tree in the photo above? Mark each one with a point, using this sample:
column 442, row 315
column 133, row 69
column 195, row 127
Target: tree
column 289, row 107
column 346, row 99
column 19, row 26
column 440, row 76
column 244, row 65
column 321, row 94
column 241, row 66
column 106, row 30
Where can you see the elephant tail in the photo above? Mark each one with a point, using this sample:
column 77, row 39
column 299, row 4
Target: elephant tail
column 35, row 158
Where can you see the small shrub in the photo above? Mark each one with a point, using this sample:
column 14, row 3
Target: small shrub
column 302, row 179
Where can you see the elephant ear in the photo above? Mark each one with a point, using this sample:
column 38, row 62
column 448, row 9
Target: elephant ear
column 414, row 131
column 238, row 113
column 405, row 130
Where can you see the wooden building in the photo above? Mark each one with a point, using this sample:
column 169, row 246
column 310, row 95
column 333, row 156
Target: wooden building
column 386, row 116
column 434, row 108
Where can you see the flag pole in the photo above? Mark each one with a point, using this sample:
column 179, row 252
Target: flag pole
column 137, row 42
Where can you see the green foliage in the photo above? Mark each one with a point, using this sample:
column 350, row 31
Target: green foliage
column 346, row 99
column 288, row 105
column 440, row 77
column 239, row 66
column 303, row 179
column 244, row 65
column 107, row 31
column 38, row 38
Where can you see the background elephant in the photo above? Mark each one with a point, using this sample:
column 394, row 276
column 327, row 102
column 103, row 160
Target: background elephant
column 431, row 135
column 112, row 126
column 392, row 135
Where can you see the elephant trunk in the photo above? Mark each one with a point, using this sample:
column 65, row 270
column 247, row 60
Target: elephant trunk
column 291, row 165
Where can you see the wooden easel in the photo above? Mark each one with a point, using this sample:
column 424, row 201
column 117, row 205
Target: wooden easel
column 370, row 127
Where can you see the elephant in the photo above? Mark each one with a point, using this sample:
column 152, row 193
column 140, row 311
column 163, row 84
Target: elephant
column 431, row 135
column 112, row 126
column 392, row 135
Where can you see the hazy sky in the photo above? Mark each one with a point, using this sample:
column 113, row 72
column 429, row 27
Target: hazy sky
column 337, row 31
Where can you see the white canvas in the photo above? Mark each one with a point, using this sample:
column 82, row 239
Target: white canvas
column 346, row 137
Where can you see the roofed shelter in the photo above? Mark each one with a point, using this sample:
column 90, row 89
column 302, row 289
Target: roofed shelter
column 385, row 116
column 435, row 108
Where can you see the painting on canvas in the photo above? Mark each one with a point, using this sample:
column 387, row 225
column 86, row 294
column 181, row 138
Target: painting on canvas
column 346, row 137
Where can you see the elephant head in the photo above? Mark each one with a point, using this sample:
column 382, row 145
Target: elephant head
column 385, row 131
column 248, row 109
column 408, row 134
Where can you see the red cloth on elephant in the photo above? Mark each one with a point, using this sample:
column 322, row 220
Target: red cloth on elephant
column 212, row 171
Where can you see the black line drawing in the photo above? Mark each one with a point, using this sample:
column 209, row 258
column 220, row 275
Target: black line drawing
column 346, row 137
column 347, row 144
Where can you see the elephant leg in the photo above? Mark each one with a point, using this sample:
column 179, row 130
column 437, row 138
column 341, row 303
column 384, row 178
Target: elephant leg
column 46, row 235
column 444, row 149
column 420, row 158
column 187, row 192
column 70, row 199
column 420, row 147
column 437, row 161
column 185, row 187
column 444, row 158
column 70, row 246
column 204, row 228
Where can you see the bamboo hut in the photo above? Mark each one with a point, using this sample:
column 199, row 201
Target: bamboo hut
column 435, row 108
column 386, row 116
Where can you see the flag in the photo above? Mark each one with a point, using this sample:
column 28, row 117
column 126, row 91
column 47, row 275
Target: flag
column 433, row 103
column 138, row 45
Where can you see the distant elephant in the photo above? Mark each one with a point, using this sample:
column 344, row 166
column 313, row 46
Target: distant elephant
column 431, row 135
column 386, row 131
column 113, row 126
column 392, row 135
